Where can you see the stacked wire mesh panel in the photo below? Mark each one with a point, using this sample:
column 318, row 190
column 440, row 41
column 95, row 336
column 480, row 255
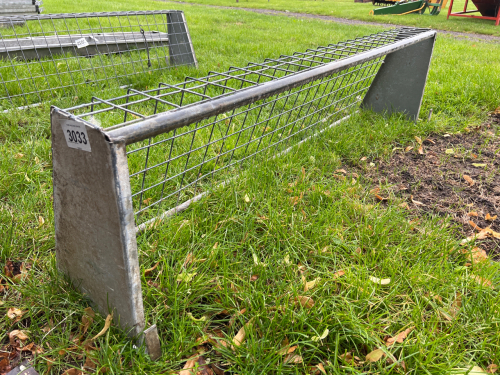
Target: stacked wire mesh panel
column 54, row 55
column 206, row 146
column 20, row 7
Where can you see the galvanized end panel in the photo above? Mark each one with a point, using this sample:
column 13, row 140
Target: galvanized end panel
column 93, row 246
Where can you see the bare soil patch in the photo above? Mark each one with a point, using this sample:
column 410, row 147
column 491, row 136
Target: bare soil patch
column 452, row 175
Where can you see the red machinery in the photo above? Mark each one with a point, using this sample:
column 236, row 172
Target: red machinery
column 489, row 9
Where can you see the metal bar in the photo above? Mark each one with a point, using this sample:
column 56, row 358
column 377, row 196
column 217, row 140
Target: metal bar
column 169, row 121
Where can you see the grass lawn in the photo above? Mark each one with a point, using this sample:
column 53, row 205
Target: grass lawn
column 360, row 11
column 252, row 251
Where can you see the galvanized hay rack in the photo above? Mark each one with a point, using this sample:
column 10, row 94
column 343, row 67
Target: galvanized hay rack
column 122, row 165
column 53, row 55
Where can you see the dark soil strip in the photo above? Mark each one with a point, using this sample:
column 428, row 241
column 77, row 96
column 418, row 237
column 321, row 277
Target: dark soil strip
column 456, row 34
column 453, row 175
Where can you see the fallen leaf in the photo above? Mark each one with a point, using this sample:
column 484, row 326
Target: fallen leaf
column 469, row 180
column 241, row 335
column 482, row 281
column 17, row 334
column 416, row 203
column 247, row 198
column 148, row 271
column 185, row 277
column 14, row 313
column 293, row 358
column 375, row 190
column 311, row 284
column 399, row 337
column 107, row 323
column 409, row 148
column 202, row 319
column 491, row 369
column 304, row 301
column 254, row 277
column 323, row 335
column 456, row 305
column 72, row 371
column 473, row 213
column 190, row 364
column 375, row 355
column 449, row 151
column 419, row 141
column 475, row 226
column 41, row 221
column 147, row 201
column 363, row 158
column 287, row 350
column 338, row 274
column 341, row 171
column 490, row 218
column 376, row 280
column 18, row 156
column 381, row 198
column 478, row 165
column 421, row 150
column 321, row 368
column 477, row 255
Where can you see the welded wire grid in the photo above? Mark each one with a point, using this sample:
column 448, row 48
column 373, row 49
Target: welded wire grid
column 52, row 55
column 174, row 167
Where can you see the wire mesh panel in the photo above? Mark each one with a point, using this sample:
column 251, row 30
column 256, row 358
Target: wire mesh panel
column 121, row 164
column 170, row 168
column 45, row 56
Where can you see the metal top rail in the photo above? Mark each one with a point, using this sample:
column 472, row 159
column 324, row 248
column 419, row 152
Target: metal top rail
column 31, row 17
column 236, row 87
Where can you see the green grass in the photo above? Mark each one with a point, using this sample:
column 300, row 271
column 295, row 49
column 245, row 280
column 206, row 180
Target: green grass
column 361, row 11
column 268, row 236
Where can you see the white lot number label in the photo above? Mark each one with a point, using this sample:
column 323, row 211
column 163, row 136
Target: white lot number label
column 80, row 43
column 76, row 135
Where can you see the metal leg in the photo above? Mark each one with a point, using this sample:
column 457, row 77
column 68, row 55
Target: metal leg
column 400, row 82
column 96, row 246
column 449, row 9
column 179, row 41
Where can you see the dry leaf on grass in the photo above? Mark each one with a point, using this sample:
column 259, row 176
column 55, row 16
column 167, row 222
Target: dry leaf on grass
column 416, row 203
column 72, row 371
column 490, row 218
column 311, row 284
column 247, row 198
column 321, row 368
column 469, row 180
column 254, row 277
column 476, row 370
column 399, row 338
column 148, row 271
column 241, row 335
column 107, row 324
column 381, row 198
column 17, row 334
column 475, row 226
column 491, row 369
column 409, row 148
column 287, row 350
column 341, row 171
column 323, row 335
column 477, row 255
column 14, row 313
column 375, row 355
column 421, row 150
column 185, row 277
column 419, row 140
column 456, row 305
column 87, row 319
column 293, row 358
column 202, row 368
column 304, row 301
column 482, row 281
column 376, row 280
column 338, row 274
column 473, row 213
